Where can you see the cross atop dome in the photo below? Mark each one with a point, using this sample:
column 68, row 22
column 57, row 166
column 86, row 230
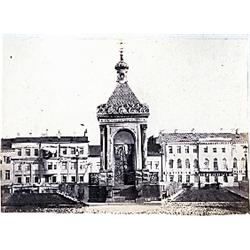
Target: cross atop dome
column 121, row 67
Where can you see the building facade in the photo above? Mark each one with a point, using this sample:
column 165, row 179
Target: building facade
column 200, row 159
column 42, row 163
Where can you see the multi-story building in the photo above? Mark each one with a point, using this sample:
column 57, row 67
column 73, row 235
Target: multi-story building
column 44, row 162
column 204, row 158
column 6, row 171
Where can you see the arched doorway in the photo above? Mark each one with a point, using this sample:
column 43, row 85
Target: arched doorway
column 124, row 156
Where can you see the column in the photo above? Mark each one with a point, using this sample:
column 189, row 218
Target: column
column 102, row 144
column 144, row 144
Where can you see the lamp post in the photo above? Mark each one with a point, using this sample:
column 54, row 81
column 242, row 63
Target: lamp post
column 246, row 168
column 77, row 158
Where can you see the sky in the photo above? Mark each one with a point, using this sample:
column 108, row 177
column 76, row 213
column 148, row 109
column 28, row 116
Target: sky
column 56, row 82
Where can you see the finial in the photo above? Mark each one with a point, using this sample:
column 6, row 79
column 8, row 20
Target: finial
column 121, row 51
column 121, row 67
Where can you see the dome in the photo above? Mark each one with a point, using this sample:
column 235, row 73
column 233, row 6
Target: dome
column 121, row 65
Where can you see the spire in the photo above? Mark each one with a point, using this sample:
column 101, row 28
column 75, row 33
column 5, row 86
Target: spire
column 121, row 51
column 121, row 67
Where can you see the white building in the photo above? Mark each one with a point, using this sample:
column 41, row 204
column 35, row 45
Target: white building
column 45, row 162
column 204, row 158
column 6, row 171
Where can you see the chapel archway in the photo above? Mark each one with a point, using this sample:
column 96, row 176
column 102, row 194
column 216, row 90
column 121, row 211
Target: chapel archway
column 124, row 158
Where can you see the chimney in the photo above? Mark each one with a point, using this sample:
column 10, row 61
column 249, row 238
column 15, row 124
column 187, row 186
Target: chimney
column 85, row 132
column 59, row 133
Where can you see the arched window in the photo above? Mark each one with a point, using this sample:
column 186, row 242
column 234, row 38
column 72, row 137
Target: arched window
column 206, row 163
column 171, row 163
column 243, row 161
column 179, row 163
column 225, row 179
column 235, row 163
column 187, row 163
column 215, row 164
column 224, row 163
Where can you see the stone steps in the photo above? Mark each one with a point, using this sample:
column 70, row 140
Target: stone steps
column 124, row 193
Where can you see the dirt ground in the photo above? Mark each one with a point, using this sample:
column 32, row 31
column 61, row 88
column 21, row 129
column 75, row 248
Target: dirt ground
column 171, row 208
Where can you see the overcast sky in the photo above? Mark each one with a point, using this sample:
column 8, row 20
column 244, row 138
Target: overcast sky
column 57, row 83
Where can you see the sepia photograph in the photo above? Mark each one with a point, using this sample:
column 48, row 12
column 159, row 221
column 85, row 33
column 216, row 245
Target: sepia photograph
column 125, row 125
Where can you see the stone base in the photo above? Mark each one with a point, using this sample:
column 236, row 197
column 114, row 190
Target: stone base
column 125, row 193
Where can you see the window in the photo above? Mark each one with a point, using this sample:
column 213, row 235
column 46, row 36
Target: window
column 73, row 178
column 157, row 165
column 28, row 167
column 187, row 149
column 19, row 167
column 215, row 164
column 7, row 174
column 27, row 151
column 187, row 163
column 216, row 178
column 179, row 178
column 187, row 178
column 19, row 180
column 49, row 165
column 195, row 150
column 179, row 149
column 64, row 150
column 64, row 178
column 72, row 151
column 215, row 150
column 171, row 178
column 36, row 152
column 206, row 163
column 236, row 178
column 224, row 163
column 53, row 179
column 55, row 166
column 171, row 163
column 47, row 179
column 81, row 151
column 8, row 160
column 27, row 179
column 64, row 165
column 179, row 163
column 36, row 179
column 223, row 150
column 170, row 149
column 81, row 178
column 150, row 164
column 206, row 149
column 55, row 154
column 19, row 152
column 243, row 162
column 225, row 179
column 195, row 163
column 207, row 178
column 73, row 165
column 234, row 163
